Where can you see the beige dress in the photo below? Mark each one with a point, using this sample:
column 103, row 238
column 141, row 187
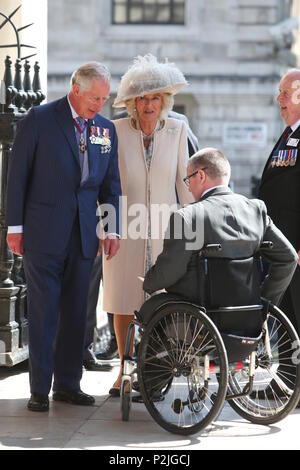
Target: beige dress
column 147, row 191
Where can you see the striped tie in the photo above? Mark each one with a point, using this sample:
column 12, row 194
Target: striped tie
column 284, row 138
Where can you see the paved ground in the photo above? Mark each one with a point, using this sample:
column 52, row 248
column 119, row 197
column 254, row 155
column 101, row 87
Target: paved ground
column 100, row 427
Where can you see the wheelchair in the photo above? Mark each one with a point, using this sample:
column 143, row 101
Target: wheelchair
column 195, row 356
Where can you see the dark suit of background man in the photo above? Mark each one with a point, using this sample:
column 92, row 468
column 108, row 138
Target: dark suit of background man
column 64, row 161
column 280, row 184
column 236, row 222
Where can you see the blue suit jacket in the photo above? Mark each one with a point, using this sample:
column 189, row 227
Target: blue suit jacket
column 44, row 192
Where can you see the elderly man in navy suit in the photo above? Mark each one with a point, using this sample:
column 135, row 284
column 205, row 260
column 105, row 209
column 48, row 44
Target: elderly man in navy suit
column 64, row 167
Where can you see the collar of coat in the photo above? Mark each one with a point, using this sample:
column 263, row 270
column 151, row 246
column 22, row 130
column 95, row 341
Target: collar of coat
column 216, row 191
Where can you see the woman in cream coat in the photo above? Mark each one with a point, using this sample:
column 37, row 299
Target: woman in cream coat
column 153, row 156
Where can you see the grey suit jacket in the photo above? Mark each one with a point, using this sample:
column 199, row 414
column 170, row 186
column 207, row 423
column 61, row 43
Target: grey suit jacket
column 239, row 224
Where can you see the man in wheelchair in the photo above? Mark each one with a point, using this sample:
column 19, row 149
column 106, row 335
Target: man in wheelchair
column 209, row 337
column 220, row 216
column 230, row 276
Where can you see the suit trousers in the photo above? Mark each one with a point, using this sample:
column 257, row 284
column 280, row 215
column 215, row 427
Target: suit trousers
column 91, row 322
column 57, row 290
column 93, row 295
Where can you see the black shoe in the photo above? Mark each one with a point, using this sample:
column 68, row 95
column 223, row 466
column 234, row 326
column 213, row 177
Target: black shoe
column 95, row 365
column 38, row 402
column 75, row 397
column 136, row 386
column 110, row 353
column 114, row 392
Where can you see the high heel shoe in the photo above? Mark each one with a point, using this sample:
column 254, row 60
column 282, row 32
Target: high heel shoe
column 114, row 392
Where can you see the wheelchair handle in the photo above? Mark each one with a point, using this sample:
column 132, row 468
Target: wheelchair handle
column 266, row 245
column 210, row 248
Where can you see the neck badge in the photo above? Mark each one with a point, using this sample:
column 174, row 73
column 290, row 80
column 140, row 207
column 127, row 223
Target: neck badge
column 81, row 130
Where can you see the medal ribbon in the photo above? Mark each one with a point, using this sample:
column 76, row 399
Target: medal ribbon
column 81, row 132
column 282, row 143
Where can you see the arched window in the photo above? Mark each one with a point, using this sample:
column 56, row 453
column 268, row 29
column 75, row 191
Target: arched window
column 148, row 11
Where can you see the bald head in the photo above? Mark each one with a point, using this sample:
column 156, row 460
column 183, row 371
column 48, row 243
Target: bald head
column 289, row 97
column 215, row 163
column 209, row 168
column 293, row 74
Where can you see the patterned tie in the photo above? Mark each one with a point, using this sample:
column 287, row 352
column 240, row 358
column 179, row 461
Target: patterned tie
column 80, row 126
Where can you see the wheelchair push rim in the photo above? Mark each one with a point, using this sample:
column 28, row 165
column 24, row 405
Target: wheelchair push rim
column 276, row 387
column 179, row 348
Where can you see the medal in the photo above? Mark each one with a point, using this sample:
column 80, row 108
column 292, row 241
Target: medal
column 95, row 135
column 293, row 157
column 274, row 160
column 287, row 158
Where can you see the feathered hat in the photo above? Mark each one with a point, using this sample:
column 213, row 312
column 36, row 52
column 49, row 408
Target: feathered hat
column 147, row 75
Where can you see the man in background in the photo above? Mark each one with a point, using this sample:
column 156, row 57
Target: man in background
column 280, row 184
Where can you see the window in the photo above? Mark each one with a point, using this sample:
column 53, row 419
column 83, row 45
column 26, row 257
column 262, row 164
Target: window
column 148, row 11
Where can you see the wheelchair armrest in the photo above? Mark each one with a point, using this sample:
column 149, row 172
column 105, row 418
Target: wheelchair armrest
column 266, row 245
column 210, row 248
column 242, row 308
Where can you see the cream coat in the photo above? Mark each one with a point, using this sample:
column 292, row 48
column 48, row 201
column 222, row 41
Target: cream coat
column 123, row 291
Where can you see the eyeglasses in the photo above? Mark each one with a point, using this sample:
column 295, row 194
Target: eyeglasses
column 186, row 180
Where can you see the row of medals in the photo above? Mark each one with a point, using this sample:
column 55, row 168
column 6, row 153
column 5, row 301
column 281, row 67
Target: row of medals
column 96, row 138
column 284, row 158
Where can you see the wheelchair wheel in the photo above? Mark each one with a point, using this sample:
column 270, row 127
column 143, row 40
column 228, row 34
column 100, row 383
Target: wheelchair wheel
column 180, row 353
column 276, row 388
column 125, row 399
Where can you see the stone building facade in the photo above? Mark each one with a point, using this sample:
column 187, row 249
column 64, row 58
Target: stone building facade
column 231, row 51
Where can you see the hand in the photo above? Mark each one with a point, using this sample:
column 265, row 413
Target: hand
column 111, row 245
column 15, row 243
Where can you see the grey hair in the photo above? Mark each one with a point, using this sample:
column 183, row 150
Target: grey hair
column 88, row 72
column 168, row 103
column 213, row 160
column 293, row 71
